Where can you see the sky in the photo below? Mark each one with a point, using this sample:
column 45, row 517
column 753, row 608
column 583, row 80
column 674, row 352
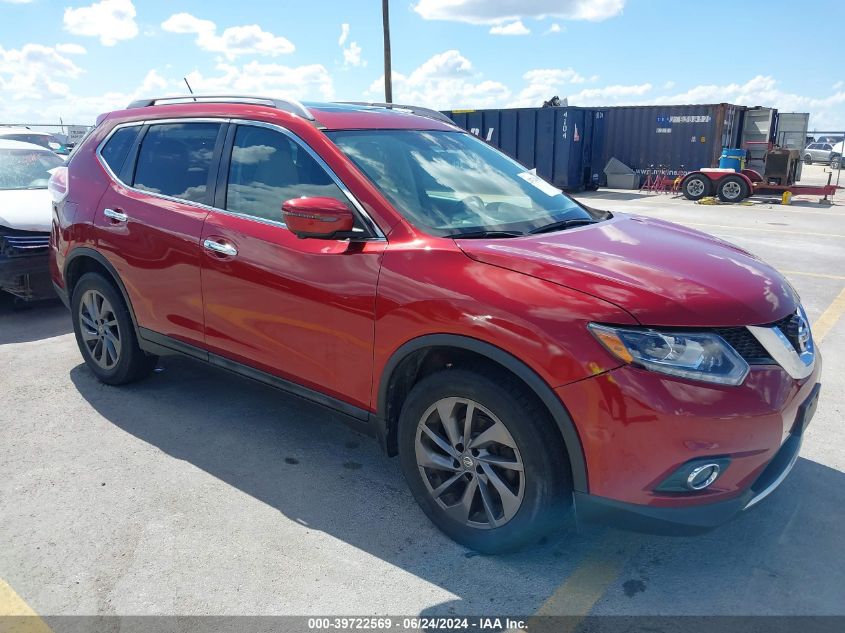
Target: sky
column 73, row 60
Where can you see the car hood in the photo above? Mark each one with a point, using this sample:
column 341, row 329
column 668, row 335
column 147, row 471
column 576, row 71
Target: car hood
column 661, row 273
column 26, row 209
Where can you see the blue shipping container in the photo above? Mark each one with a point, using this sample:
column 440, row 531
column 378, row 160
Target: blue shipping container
column 676, row 137
column 563, row 144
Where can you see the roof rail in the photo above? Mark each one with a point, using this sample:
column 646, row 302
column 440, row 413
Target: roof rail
column 286, row 105
column 419, row 111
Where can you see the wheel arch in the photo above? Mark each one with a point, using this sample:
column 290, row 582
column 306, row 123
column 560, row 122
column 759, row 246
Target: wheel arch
column 83, row 260
column 408, row 359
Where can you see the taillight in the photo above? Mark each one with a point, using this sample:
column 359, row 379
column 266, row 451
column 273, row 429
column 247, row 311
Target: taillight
column 58, row 184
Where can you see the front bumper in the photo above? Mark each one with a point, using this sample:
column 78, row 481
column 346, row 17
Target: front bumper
column 691, row 519
column 27, row 276
column 638, row 427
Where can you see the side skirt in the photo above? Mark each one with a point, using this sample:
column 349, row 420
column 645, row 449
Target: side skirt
column 359, row 419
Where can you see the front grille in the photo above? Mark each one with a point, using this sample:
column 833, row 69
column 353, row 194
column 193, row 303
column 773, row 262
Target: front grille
column 14, row 243
column 746, row 345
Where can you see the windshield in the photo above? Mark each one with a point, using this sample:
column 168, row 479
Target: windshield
column 43, row 140
column 26, row 168
column 451, row 183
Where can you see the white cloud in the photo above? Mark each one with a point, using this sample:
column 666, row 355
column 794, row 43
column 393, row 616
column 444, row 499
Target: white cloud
column 311, row 81
column 554, row 28
column 615, row 94
column 351, row 53
column 34, row 72
column 71, row 49
column 109, row 20
column 839, row 85
column 669, row 85
column 249, row 39
column 764, row 90
column 543, row 83
column 446, row 80
column 511, row 28
column 497, row 11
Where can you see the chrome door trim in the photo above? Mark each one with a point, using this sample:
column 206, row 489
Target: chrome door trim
column 105, row 165
column 365, row 217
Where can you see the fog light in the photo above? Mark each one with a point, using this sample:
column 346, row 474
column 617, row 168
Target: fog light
column 702, row 476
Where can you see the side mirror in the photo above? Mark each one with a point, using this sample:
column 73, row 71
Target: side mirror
column 321, row 218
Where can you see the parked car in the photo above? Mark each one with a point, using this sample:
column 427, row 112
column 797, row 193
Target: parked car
column 518, row 350
column 42, row 139
column 820, row 153
column 836, row 156
column 25, row 218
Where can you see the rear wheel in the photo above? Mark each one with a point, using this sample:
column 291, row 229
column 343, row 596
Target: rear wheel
column 105, row 334
column 732, row 189
column 696, row 187
column 484, row 460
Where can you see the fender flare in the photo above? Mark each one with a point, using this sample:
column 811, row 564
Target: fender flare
column 541, row 389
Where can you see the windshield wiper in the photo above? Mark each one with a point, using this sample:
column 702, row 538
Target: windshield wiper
column 478, row 235
column 561, row 225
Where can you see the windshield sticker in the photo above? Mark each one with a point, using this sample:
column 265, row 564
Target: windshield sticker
column 539, row 183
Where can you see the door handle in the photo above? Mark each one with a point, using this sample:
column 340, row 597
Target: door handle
column 218, row 247
column 117, row 216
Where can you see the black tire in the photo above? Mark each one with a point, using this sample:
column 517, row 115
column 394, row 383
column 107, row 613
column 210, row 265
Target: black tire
column 131, row 362
column 732, row 189
column 836, row 162
column 808, row 160
column 696, row 187
column 547, row 480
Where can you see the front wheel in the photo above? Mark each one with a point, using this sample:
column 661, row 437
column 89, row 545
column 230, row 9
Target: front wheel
column 808, row 160
column 732, row 189
column 484, row 460
column 836, row 162
column 696, row 187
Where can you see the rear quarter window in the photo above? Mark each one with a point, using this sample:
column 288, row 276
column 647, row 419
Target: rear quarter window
column 117, row 148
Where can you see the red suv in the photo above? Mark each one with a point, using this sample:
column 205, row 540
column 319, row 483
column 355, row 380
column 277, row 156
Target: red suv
column 518, row 350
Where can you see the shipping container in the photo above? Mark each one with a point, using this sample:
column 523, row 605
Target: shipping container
column 562, row 144
column 676, row 137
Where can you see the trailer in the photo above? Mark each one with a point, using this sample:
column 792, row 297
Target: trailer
column 735, row 185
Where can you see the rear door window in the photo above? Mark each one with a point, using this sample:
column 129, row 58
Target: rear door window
column 175, row 159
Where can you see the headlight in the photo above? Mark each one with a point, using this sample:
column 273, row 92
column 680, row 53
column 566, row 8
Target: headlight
column 694, row 355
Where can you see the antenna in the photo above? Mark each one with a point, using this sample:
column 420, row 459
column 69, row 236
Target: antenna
column 189, row 86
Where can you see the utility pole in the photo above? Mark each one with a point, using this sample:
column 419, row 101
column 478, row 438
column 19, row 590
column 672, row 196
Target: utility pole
column 388, row 79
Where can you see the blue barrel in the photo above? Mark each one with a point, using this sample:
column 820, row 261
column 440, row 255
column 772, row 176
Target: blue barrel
column 732, row 159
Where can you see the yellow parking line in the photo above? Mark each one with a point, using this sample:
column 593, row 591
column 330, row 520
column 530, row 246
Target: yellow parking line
column 822, row 275
column 16, row 616
column 754, row 228
column 588, row 582
column 829, row 317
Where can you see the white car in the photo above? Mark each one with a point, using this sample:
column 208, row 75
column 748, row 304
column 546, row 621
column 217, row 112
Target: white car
column 25, row 218
column 42, row 139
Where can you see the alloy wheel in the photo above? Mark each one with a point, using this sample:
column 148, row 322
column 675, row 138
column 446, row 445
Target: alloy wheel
column 732, row 190
column 99, row 328
column 470, row 463
column 695, row 187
